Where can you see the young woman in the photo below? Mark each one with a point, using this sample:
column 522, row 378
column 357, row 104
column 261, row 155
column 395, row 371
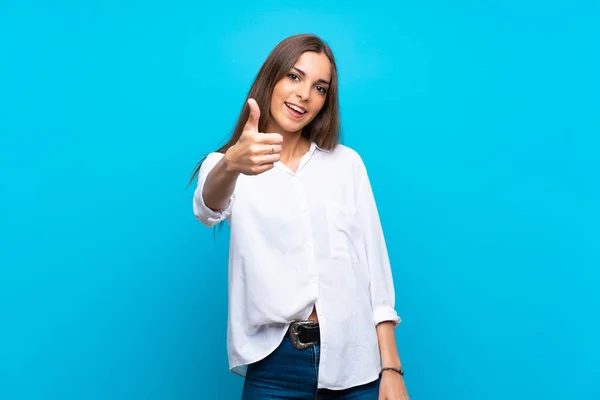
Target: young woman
column 311, row 297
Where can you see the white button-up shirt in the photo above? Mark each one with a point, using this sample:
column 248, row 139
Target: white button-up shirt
column 301, row 239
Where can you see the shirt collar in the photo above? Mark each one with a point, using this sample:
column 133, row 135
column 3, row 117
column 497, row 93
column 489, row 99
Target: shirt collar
column 313, row 146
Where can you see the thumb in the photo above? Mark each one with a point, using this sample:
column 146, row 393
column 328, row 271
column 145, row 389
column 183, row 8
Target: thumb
column 254, row 117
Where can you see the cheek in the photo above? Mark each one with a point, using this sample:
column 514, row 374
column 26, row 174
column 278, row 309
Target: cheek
column 282, row 89
column 278, row 91
column 319, row 106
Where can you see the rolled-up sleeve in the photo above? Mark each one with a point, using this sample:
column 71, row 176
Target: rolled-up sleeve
column 203, row 213
column 380, row 272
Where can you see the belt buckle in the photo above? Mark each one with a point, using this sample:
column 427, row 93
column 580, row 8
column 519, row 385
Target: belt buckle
column 294, row 335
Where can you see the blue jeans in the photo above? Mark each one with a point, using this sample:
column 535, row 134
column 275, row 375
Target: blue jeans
column 289, row 373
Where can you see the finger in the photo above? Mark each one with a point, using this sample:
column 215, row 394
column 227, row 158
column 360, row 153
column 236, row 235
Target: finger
column 270, row 138
column 254, row 117
column 270, row 149
column 267, row 159
column 259, row 169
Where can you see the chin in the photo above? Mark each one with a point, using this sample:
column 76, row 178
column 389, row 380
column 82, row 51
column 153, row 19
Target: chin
column 294, row 127
column 290, row 126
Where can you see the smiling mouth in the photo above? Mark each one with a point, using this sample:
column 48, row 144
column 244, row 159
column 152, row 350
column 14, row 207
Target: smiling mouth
column 295, row 108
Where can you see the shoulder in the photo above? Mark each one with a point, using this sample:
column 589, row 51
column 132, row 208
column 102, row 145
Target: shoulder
column 346, row 162
column 212, row 158
column 215, row 155
column 209, row 162
column 349, row 158
column 346, row 154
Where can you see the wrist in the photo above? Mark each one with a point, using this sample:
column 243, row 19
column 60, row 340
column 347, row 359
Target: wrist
column 393, row 370
column 229, row 164
column 391, row 359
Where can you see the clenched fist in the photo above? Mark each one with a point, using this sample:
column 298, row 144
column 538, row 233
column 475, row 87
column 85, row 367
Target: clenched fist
column 254, row 152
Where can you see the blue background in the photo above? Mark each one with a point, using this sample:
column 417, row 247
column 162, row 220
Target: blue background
column 478, row 122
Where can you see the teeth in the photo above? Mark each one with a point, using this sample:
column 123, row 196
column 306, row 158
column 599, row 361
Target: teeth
column 293, row 107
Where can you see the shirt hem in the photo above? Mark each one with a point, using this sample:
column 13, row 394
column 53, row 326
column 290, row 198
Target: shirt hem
column 236, row 365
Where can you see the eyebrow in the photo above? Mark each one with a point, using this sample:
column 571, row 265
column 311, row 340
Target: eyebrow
column 304, row 74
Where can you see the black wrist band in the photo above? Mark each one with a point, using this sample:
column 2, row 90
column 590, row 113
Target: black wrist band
column 398, row 370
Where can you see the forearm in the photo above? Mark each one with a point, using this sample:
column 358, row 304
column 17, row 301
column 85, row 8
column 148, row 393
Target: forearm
column 219, row 185
column 387, row 345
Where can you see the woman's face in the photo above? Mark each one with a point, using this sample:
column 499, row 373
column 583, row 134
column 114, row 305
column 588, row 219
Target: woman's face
column 299, row 96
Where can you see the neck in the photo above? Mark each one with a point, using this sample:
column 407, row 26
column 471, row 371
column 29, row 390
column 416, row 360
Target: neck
column 294, row 145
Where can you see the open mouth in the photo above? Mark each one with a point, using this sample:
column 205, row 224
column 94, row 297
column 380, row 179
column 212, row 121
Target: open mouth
column 296, row 110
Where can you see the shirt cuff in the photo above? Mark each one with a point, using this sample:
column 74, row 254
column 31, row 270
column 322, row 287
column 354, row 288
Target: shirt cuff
column 386, row 314
column 206, row 215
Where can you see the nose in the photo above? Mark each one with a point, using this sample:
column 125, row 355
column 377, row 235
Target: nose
column 303, row 92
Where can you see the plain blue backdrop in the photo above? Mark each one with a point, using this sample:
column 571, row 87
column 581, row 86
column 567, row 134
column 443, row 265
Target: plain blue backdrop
column 479, row 124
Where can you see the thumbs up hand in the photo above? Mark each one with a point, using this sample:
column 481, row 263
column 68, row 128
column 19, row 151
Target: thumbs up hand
column 254, row 152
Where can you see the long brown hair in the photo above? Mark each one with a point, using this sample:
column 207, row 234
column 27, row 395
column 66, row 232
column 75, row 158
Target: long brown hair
column 324, row 129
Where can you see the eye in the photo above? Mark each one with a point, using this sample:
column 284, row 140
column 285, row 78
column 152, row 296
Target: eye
column 293, row 77
column 321, row 89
